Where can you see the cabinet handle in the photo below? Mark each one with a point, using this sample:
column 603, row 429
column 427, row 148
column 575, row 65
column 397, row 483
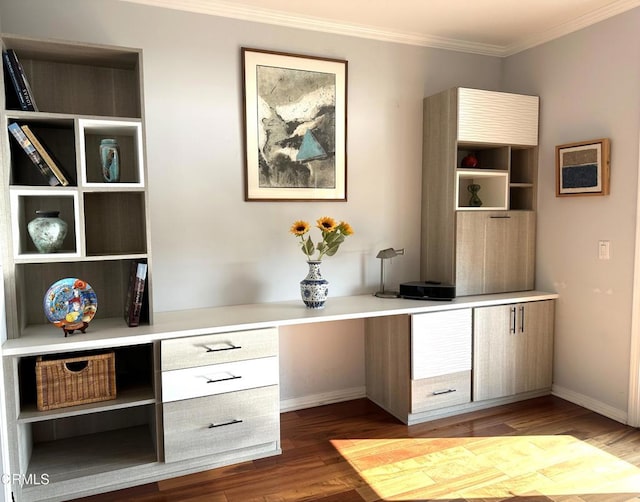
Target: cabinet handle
column 230, row 422
column 522, row 319
column 223, row 379
column 505, row 217
column 440, row 392
column 232, row 347
column 512, row 321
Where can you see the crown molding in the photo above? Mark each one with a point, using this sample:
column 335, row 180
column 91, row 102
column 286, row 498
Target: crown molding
column 233, row 10
column 613, row 9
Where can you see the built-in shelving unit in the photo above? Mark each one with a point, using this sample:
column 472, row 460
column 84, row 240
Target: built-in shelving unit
column 83, row 94
column 505, row 173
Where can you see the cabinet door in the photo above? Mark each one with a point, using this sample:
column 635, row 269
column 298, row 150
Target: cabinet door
column 494, row 252
column 497, row 117
column 513, row 349
column 535, row 355
column 440, row 343
column 494, row 352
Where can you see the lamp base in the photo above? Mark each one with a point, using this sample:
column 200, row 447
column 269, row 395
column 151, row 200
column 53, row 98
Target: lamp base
column 386, row 294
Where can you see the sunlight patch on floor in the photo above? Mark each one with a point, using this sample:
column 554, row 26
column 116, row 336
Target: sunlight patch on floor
column 486, row 467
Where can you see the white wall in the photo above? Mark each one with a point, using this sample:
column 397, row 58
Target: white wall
column 589, row 83
column 212, row 248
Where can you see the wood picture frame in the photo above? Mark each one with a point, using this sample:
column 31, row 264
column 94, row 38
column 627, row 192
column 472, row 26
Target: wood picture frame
column 295, row 126
column 583, row 168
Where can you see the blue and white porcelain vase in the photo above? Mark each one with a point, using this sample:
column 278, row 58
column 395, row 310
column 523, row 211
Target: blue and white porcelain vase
column 313, row 287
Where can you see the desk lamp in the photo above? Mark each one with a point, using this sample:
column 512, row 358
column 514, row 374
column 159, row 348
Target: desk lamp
column 384, row 255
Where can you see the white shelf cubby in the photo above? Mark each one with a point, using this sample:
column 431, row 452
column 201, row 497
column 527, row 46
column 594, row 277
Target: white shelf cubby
column 128, row 134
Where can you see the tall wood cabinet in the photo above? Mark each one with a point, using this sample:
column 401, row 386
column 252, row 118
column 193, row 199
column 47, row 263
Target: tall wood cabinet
column 83, row 93
column 488, row 248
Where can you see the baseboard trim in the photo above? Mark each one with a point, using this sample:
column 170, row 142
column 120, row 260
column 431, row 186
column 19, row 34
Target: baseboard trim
column 591, row 404
column 300, row 403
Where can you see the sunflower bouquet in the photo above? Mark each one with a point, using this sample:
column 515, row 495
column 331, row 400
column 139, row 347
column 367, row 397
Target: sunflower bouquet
column 333, row 234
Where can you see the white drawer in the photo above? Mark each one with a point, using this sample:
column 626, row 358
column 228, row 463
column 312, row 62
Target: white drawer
column 441, row 391
column 219, row 348
column 219, row 378
column 216, row 424
column 440, row 343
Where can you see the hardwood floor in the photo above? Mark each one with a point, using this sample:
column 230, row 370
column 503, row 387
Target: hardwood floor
column 538, row 450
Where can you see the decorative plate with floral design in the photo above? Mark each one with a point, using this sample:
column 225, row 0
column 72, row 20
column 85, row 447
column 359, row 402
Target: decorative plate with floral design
column 70, row 304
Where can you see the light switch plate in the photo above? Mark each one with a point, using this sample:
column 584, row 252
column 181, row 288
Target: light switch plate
column 604, row 250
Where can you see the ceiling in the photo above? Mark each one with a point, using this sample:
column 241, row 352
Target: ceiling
column 492, row 27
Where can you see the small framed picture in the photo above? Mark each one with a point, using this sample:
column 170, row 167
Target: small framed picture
column 583, row 168
column 295, row 126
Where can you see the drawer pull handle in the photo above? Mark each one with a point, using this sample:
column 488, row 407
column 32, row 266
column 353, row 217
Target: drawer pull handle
column 440, row 392
column 233, row 377
column 231, row 422
column 232, row 347
column 505, row 217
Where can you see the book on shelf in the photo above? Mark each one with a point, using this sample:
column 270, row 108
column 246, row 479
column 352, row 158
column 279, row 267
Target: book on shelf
column 55, row 168
column 33, row 154
column 11, row 97
column 19, row 80
column 135, row 293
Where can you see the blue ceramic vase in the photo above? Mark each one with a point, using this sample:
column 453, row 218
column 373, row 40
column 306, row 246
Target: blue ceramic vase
column 313, row 287
column 110, row 160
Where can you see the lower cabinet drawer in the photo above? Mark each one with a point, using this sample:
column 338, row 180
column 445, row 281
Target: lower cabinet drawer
column 219, row 378
column 218, row 348
column 217, row 424
column 441, row 391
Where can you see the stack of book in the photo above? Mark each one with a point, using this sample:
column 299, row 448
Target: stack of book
column 16, row 78
column 133, row 309
column 19, row 81
column 34, row 149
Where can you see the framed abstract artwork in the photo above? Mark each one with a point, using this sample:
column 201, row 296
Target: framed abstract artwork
column 583, row 168
column 295, row 126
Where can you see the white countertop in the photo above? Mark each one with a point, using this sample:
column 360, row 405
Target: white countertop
column 103, row 333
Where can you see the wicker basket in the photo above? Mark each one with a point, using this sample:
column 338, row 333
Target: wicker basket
column 76, row 380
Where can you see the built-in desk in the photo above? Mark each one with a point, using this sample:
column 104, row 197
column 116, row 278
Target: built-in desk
column 178, row 411
column 43, row 339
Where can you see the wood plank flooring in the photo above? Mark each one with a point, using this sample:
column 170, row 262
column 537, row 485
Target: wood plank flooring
column 544, row 449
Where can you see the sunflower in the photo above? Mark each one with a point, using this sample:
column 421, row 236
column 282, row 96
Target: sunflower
column 345, row 228
column 326, row 224
column 333, row 235
column 299, row 228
